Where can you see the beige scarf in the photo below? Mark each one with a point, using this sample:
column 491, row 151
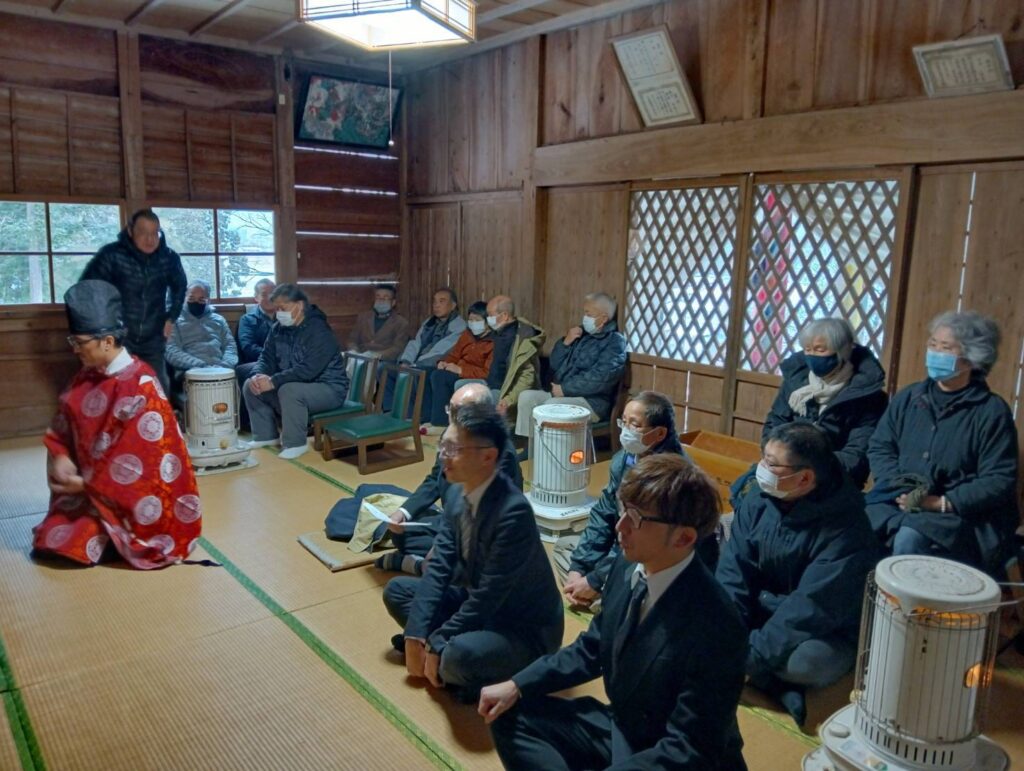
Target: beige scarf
column 820, row 390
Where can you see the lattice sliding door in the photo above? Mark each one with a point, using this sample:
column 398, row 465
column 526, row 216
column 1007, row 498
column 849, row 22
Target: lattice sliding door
column 680, row 261
column 817, row 249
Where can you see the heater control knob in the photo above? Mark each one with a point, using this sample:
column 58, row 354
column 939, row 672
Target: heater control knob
column 839, row 731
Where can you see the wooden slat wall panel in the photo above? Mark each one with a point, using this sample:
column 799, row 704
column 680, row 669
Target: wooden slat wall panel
column 586, row 244
column 473, row 123
column 491, row 257
column 43, row 54
column 347, row 258
column 434, row 235
column 336, row 170
column 6, row 147
column 205, row 77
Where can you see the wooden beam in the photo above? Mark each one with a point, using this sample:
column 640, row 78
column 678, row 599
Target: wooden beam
column 575, row 19
column 231, row 8
column 923, row 131
column 508, row 9
column 58, row 5
column 38, row 12
column 288, row 25
column 286, row 255
column 142, row 10
column 130, row 92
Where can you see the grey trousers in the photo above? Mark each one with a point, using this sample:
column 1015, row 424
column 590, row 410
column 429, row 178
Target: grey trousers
column 293, row 402
column 530, row 399
column 562, row 556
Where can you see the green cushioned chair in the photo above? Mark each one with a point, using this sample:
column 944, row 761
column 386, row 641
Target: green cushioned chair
column 608, row 427
column 358, row 401
column 378, row 427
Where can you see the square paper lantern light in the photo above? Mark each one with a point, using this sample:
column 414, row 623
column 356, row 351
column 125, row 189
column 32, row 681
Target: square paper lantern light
column 386, row 24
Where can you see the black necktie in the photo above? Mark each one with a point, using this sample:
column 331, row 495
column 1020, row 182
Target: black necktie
column 632, row 620
column 466, row 527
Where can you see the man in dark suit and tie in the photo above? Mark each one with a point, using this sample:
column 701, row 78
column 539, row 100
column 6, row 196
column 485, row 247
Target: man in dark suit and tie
column 669, row 644
column 488, row 605
column 413, row 546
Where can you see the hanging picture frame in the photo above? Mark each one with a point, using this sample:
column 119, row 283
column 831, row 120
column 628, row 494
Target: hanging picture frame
column 648, row 62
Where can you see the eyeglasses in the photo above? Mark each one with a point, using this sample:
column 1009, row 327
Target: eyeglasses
column 636, row 519
column 451, row 449
column 771, row 464
column 77, row 343
column 623, row 424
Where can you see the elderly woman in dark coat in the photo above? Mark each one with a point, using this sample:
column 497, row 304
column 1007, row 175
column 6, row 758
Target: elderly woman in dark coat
column 944, row 455
column 836, row 384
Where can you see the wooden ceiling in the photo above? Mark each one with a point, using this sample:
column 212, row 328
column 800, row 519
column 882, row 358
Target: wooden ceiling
column 269, row 26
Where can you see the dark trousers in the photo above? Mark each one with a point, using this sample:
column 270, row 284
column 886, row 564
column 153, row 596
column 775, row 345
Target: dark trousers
column 389, row 395
column 557, row 735
column 152, row 352
column 418, row 540
column 442, row 386
column 472, row 659
column 242, row 373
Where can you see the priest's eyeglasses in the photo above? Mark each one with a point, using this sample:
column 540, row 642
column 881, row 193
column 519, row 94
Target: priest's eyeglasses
column 78, row 342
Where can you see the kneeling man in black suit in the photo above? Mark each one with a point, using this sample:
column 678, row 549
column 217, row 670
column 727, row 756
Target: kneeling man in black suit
column 668, row 642
column 489, row 604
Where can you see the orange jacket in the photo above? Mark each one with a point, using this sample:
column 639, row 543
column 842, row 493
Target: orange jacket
column 472, row 354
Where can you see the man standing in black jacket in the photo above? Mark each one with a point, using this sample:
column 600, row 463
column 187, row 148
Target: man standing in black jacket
column 152, row 284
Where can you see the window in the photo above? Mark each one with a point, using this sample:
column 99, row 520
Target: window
column 231, row 249
column 681, row 247
column 817, row 249
column 45, row 246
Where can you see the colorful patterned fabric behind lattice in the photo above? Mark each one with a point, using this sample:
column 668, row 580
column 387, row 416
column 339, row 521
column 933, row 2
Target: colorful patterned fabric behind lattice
column 681, row 246
column 817, row 249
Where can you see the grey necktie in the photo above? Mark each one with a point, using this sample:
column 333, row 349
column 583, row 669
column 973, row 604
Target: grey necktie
column 632, row 619
column 466, row 527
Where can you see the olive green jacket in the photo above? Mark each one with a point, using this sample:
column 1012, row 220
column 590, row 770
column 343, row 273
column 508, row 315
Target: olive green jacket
column 523, row 370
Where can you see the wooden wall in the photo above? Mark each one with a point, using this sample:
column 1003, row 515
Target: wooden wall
column 783, row 85
column 96, row 116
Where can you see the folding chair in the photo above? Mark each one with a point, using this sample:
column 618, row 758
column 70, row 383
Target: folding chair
column 357, row 402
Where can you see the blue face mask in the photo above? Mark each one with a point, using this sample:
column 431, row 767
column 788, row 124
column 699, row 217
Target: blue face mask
column 822, row 365
column 941, row 366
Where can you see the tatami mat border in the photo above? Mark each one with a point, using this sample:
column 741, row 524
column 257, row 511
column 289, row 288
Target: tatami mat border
column 783, row 725
column 17, row 716
column 435, row 753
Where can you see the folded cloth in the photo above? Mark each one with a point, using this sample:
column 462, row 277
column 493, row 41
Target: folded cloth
column 370, row 531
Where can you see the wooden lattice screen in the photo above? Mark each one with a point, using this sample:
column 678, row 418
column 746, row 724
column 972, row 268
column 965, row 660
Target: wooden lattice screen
column 817, row 249
column 681, row 255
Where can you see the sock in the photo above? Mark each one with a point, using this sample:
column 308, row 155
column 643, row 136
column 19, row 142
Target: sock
column 412, row 565
column 391, row 561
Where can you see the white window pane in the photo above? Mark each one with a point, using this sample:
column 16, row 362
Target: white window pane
column 199, row 267
column 24, row 278
column 22, row 226
column 240, row 272
column 187, row 230
column 82, row 227
column 67, row 269
column 240, row 230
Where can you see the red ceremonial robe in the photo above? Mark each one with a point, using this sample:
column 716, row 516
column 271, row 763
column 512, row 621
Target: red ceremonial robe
column 140, row 490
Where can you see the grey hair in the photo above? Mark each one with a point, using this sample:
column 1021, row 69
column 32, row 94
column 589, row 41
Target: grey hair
column 506, row 306
column 605, row 301
column 260, row 284
column 978, row 336
column 476, row 393
column 202, row 285
column 838, row 335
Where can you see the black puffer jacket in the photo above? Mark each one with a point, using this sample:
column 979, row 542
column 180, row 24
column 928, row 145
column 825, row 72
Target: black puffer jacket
column 307, row 353
column 152, row 287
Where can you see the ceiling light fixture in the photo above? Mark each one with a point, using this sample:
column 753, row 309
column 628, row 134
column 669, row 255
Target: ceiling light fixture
column 385, row 24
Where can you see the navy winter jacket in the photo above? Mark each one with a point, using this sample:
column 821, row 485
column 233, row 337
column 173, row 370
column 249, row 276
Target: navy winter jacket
column 967, row 452
column 849, row 419
column 591, row 367
column 253, row 329
column 152, row 287
column 797, row 572
column 306, row 353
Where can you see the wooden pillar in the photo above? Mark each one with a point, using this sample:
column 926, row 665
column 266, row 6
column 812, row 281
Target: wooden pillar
column 285, row 243
column 133, row 155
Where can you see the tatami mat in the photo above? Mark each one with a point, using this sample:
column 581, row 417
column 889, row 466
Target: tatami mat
column 8, row 747
column 57, row 618
column 252, row 698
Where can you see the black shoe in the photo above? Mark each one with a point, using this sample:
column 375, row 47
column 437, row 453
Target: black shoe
column 398, row 642
column 795, row 702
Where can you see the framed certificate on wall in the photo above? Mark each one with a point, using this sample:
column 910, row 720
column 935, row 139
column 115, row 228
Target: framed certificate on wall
column 648, row 62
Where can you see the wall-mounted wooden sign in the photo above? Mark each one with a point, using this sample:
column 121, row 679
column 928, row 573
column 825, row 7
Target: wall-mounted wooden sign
column 660, row 89
column 974, row 65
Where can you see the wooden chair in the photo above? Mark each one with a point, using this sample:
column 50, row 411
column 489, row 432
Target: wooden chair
column 608, row 427
column 357, row 402
column 378, row 427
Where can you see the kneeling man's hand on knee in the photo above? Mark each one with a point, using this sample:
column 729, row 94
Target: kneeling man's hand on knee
column 497, row 699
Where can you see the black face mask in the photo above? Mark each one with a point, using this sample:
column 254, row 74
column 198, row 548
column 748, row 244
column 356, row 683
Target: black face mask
column 822, row 365
column 197, row 309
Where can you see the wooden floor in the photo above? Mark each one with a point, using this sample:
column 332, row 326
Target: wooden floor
column 270, row 662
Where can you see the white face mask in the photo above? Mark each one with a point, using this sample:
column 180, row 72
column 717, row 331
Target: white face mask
column 589, row 325
column 632, row 441
column 492, row 322
column 285, row 318
column 769, row 481
column 477, row 327
column 382, row 308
